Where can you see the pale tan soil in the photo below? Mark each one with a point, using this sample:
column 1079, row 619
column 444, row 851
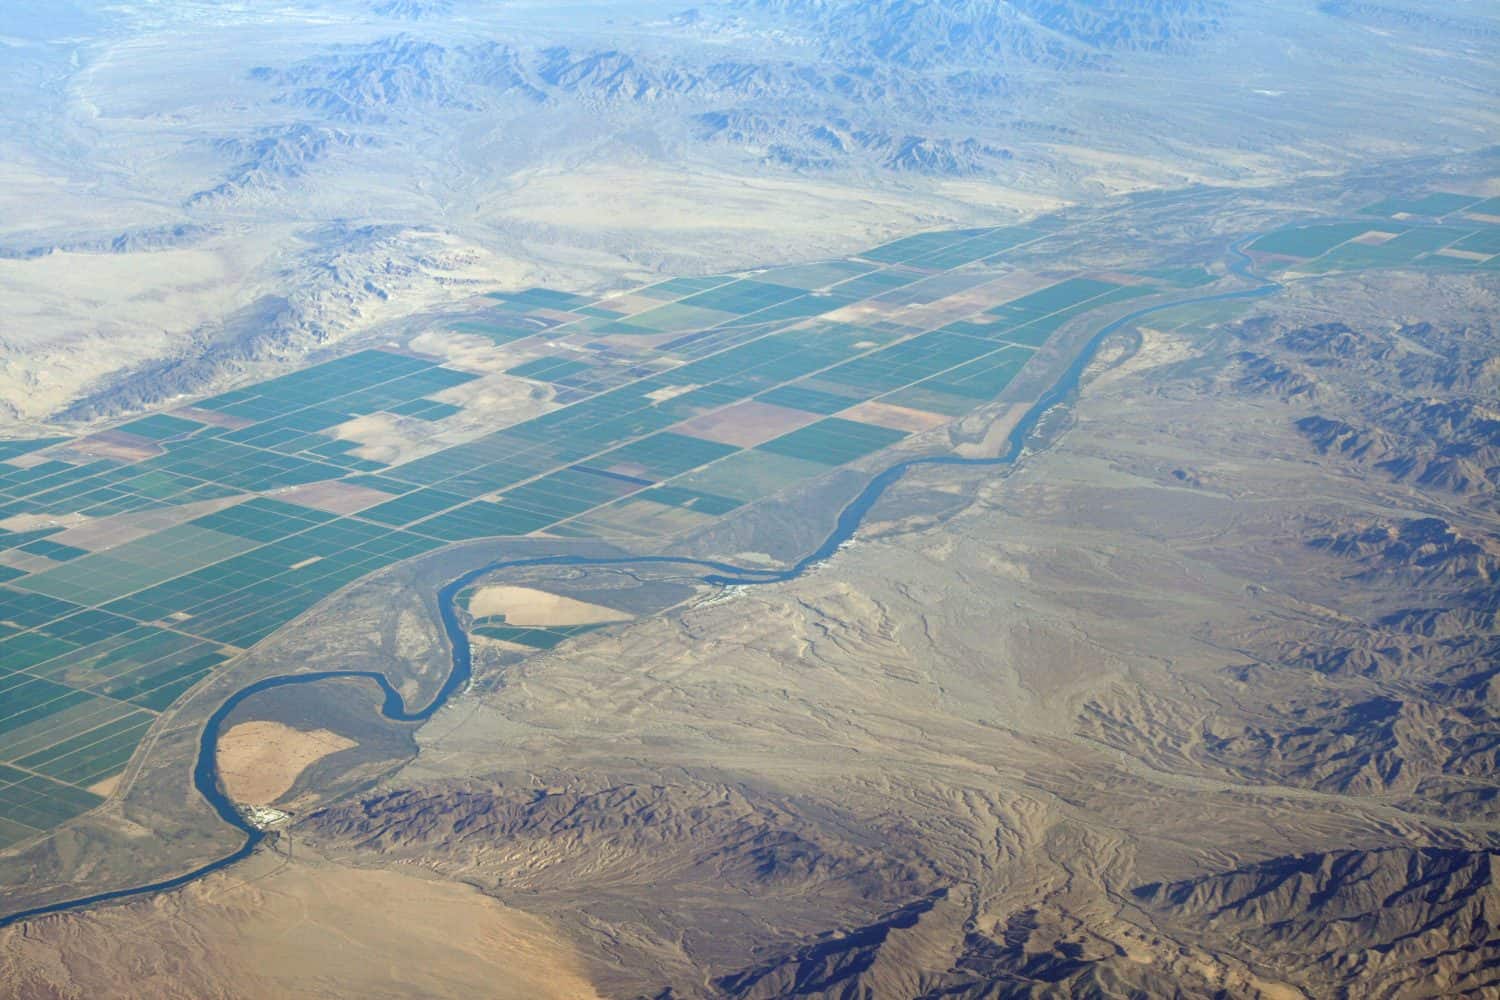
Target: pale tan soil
column 991, row 443
column 98, row 534
column 468, row 351
column 28, row 461
column 107, row 786
column 302, row 930
column 73, row 316
column 1121, row 173
column 670, row 392
column 529, row 608
column 901, row 418
column 752, row 214
column 630, row 302
column 1464, row 254
column 747, row 424
column 213, row 418
column 260, row 760
column 118, row 445
column 510, row 647
column 385, row 437
column 642, row 519
column 335, row 497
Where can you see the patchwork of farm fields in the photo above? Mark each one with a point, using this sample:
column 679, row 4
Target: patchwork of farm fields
column 137, row 560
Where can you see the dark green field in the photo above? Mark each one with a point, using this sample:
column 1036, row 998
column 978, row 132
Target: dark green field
column 96, row 638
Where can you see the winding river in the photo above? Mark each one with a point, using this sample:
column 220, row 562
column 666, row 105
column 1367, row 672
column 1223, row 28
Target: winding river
column 205, row 770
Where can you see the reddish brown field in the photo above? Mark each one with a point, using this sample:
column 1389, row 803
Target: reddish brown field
column 746, row 424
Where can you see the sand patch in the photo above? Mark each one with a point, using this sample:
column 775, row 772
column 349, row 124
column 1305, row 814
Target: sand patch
column 529, row 608
column 106, row 787
column 260, row 760
column 1157, row 348
column 306, row 930
column 667, row 392
column 992, row 442
column 381, row 438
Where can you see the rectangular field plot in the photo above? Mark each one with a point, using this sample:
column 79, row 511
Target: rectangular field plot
column 160, row 426
column 1052, row 299
column 906, row 362
column 34, row 803
column 413, row 506
column 86, row 757
column 814, row 276
column 981, row 379
column 1423, row 239
column 694, row 500
column 497, row 331
column 986, row 246
column 548, row 369
column 833, row 441
column 750, row 475
column 800, row 397
column 669, row 406
column 535, row 638
column 14, row 449
column 675, row 317
column 542, row 298
column 678, row 288
column 1438, row 204
column 920, row 245
column 742, row 296
column 663, row 456
column 878, row 282
column 1310, row 241
column 566, row 494
column 483, row 519
column 137, row 565
column 1486, row 241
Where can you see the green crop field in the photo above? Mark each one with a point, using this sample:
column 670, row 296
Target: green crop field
column 100, row 632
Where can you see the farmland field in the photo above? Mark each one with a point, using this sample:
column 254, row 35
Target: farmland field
column 140, row 559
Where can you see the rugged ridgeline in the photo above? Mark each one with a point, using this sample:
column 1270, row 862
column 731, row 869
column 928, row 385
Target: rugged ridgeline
column 352, row 171
column 1399, row 601
column 1340, row 659
column 997, row 748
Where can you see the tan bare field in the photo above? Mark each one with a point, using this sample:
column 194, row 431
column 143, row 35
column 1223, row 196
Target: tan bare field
column 1463, row 254
column 303, row 930
column 530, row 608
column 107, row 786
column 120, row 445
column 260, row 760
column 335, row 497
column 901, row 418
column 748, row 424
column 468, row 351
